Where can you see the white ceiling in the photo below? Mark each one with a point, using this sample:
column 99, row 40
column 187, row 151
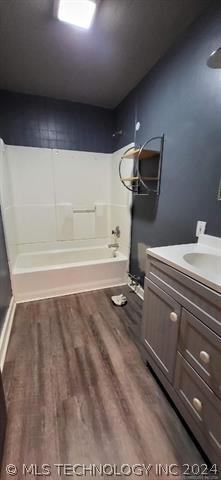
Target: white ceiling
column 42, row 56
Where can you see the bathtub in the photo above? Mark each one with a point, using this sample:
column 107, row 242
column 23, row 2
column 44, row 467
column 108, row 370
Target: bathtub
column 51, row 273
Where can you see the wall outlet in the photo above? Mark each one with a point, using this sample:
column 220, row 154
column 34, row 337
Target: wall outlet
column 200, row 228
column 137, row 127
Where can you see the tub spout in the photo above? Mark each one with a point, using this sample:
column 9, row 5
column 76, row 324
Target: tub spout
column 113, row 245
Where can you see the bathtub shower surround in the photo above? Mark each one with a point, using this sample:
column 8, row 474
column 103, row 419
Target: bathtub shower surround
column 7, row 208
column 62, row 208
column 121, row 199
column 49, row 186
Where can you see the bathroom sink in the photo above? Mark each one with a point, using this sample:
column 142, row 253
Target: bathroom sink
column 205, row 262
column 201, row 260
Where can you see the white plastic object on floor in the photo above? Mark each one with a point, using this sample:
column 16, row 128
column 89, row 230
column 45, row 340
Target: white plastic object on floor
column 119, row 300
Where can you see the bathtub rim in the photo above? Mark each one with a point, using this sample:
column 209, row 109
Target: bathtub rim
column 21, row 270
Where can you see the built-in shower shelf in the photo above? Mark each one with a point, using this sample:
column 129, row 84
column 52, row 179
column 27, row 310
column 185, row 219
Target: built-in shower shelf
column 133, row 179
column 135, row 152
column 143, row 177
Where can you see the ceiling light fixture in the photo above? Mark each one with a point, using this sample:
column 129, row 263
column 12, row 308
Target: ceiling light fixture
column 214, row 60
column 79, row 13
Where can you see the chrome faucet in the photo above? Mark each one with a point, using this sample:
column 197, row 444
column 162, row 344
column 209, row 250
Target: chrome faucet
column 115, row 244
column 116, row 232
column 115, row 247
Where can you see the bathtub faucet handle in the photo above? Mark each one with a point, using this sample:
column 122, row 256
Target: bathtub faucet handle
column 116, row 232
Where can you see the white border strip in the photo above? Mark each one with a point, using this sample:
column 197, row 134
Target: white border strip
column 6, row 331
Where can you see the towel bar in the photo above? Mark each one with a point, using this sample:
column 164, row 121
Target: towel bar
column 85, row 210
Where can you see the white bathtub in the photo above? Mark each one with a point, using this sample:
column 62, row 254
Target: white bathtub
column 52, row 273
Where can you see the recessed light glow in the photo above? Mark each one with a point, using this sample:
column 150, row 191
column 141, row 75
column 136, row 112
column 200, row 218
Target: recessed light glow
column 77, row 12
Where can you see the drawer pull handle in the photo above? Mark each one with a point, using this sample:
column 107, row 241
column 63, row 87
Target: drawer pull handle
column 173, row 316
column 197, row 404
column 204, row 356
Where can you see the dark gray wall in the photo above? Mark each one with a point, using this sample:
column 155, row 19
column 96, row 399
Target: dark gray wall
column 181, row 97
column 5, row 283
column 44, row 122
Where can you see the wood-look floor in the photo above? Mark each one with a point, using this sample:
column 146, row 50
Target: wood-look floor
column 77, row 390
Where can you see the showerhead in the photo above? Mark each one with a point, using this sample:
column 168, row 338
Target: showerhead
column 214, row 60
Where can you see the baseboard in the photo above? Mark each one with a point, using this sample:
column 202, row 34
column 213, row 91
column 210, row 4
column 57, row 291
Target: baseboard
column 6, row 330
column 138, row 289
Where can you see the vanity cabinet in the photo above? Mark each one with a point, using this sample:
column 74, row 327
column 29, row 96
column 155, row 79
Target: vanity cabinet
column 160, row 333
column 181, row 332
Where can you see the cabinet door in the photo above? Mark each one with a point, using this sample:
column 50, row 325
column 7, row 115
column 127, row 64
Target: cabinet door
column 160, row 326
column 2, row 418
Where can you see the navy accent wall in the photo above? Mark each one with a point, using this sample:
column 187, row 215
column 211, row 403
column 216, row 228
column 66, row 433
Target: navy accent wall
column 181, row 97
column 5, row 283
column 124, row 119
column 43, row 122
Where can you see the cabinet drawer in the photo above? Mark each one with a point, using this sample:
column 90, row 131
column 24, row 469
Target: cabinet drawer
column 202, row 348
column 200, row 401
column 160, row 326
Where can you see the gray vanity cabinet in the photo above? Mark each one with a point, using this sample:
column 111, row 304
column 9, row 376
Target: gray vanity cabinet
column 160, row 332
column 181, row 333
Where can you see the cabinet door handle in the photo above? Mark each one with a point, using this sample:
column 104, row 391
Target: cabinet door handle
column 173, row 316
column 197, row 404
column 204, row 356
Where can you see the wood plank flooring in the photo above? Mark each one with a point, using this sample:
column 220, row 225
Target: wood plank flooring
column 77, row 390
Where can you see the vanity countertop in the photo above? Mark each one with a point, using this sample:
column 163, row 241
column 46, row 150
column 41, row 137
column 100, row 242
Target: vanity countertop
column 200, row 261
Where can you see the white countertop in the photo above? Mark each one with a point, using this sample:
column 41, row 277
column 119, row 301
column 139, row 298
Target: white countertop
column 173, row 255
